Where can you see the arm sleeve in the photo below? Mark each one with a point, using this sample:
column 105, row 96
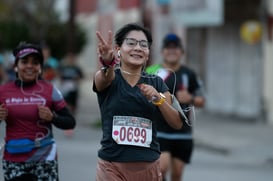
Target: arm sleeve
column 63, row 119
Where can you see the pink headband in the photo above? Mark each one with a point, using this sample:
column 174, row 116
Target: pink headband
column 26, row 51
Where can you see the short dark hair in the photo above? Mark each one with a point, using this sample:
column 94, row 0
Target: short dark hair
column 123, row 31
column 172, row 39
column 24, row 49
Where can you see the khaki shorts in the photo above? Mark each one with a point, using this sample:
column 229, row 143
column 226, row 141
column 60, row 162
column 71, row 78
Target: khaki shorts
column 131, row 171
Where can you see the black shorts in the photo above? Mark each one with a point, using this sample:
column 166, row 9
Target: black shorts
column 71, row 98
column 181, row 149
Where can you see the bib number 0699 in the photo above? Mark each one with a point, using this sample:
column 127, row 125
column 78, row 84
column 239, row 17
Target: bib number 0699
column 128, row 130
column 132, row 134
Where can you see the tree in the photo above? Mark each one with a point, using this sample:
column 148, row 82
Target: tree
column 57, row 39
column 36, row 21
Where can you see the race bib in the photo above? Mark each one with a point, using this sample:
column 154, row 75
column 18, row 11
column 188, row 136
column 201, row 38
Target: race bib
column 129, row 130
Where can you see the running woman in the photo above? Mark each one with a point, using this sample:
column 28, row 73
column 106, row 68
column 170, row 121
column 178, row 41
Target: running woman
column 30, row 106
column 131, row 102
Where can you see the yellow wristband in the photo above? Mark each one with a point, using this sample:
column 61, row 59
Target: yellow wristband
column 161, row 100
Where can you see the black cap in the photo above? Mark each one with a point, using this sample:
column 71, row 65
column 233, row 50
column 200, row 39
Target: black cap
column 172, row 39
column 24, row 49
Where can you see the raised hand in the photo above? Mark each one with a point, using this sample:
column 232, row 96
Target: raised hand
column 45, row 113
column 105, row 48
column 149, row 91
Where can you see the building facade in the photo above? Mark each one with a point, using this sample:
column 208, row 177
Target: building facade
column 236, row 73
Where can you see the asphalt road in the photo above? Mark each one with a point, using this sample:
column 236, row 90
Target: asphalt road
column 224, row 150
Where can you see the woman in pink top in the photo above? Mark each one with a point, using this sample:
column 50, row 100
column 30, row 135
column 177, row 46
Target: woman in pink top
column 29, row 106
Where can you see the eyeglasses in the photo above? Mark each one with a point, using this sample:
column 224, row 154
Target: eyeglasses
column 131, row 42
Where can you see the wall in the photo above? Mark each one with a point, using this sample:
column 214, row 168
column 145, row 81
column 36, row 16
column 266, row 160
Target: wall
column 233, row 73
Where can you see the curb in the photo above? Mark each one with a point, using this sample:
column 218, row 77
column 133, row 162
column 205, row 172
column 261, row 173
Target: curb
column 199, row 143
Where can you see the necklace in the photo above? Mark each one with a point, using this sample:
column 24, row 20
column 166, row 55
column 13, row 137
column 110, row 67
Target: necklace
column 129, row 73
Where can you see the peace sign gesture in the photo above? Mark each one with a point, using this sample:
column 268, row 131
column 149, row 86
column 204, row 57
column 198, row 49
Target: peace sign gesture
column 105, row 48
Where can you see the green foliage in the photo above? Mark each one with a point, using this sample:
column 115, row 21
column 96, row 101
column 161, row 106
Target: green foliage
column 57, row 39
column 97, row 123
column 36, row 21
column 11, row 33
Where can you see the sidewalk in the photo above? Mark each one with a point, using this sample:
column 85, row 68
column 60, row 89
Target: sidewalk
column 250, row 141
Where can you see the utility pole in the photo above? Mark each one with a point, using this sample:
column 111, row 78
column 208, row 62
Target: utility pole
column 71, row 27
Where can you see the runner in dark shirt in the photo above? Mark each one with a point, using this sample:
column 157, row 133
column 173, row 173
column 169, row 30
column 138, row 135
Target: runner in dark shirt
column 177, row 145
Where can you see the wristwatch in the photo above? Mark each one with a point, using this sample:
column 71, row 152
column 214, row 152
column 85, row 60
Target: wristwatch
column 161, row 100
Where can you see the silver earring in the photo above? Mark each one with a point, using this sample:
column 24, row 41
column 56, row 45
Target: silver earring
column 119, row 53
